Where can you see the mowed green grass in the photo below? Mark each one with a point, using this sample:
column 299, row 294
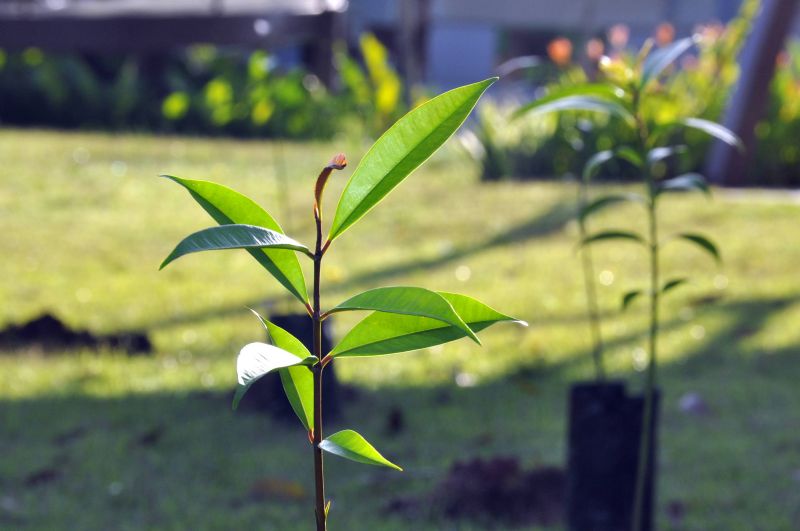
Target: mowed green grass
column 85, row 223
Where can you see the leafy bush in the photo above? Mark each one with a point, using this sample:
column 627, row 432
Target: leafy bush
column 374, row 92
column 554, row 146
column 201, row 89
column 777, row 154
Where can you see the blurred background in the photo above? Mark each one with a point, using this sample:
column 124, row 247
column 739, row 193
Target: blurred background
column 115, row 379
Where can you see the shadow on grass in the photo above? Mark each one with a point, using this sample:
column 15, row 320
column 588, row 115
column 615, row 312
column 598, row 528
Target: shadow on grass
column 185, row 461
column 170, row 461
column 744, row 318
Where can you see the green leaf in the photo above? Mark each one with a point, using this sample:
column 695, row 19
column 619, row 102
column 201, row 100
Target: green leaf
column 702, row 242
column 351, row 445
column 661, row 153
column 577, row 103
column 401, row 149
column 625, row 153
column 629, row 297
column 606, row 201
column 631, row 155
column 683, row 183
column 407, row 301
column 597, row 91
column 386, row 333
column 233, row 237
column 298, row 385
column 258, row 359
column 592, row 165
column 523, row 62
column 672, row 284
column 227, row 206
column 612, row 235
column 716, row 130
column 661, row 58
column 298, row 380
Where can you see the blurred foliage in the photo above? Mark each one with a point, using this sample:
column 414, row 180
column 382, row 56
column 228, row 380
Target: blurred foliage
column 699, row 86
column 374, row 92
column 777, row 153
column 200, row 90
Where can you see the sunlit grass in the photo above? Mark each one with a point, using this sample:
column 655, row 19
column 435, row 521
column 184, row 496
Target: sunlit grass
column 85, row 223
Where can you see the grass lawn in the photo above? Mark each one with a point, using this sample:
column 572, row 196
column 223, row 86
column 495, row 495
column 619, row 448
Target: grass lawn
column 98, row 441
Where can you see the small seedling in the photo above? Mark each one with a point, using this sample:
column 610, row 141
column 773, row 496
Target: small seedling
column 402, row 319
column 621, row 95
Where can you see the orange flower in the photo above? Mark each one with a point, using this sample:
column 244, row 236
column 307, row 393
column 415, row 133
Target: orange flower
column 665, row 33
column 594, row 49
column 560, row 51
column 618, row 36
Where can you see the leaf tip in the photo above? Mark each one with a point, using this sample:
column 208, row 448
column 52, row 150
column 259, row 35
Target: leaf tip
column 473, row 336
column 520, row 322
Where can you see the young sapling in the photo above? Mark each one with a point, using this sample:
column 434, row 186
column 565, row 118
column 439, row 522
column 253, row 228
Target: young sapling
column 622, row 95
column 402, row 318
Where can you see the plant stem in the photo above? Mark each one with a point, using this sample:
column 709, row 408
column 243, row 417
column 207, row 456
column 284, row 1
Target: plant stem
column 319, row 476
column 591, row 293
column 646, row 443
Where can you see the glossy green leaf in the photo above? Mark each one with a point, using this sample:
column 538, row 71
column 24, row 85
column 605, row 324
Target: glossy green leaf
column 577, row 103
column 233, row 237
column 351, row 445
column 704, row 243
column 388, row 333
column 227, row 206
column 661, row 58
column 672, row 284
column 716, row 130
column 401, row 149
column 515, row 64
column 257, row 360
column 594, row 163
column 684, row 183
column 596, row 91
column 612, row 235
column 298, row 380
column 407, row 301
column 298, row 386
column 600, row 203
column 660, row 153
column 629, row 297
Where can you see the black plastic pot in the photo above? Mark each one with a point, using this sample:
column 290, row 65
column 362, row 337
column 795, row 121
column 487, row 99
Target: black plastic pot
column 267, row 394
column 605, row 428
